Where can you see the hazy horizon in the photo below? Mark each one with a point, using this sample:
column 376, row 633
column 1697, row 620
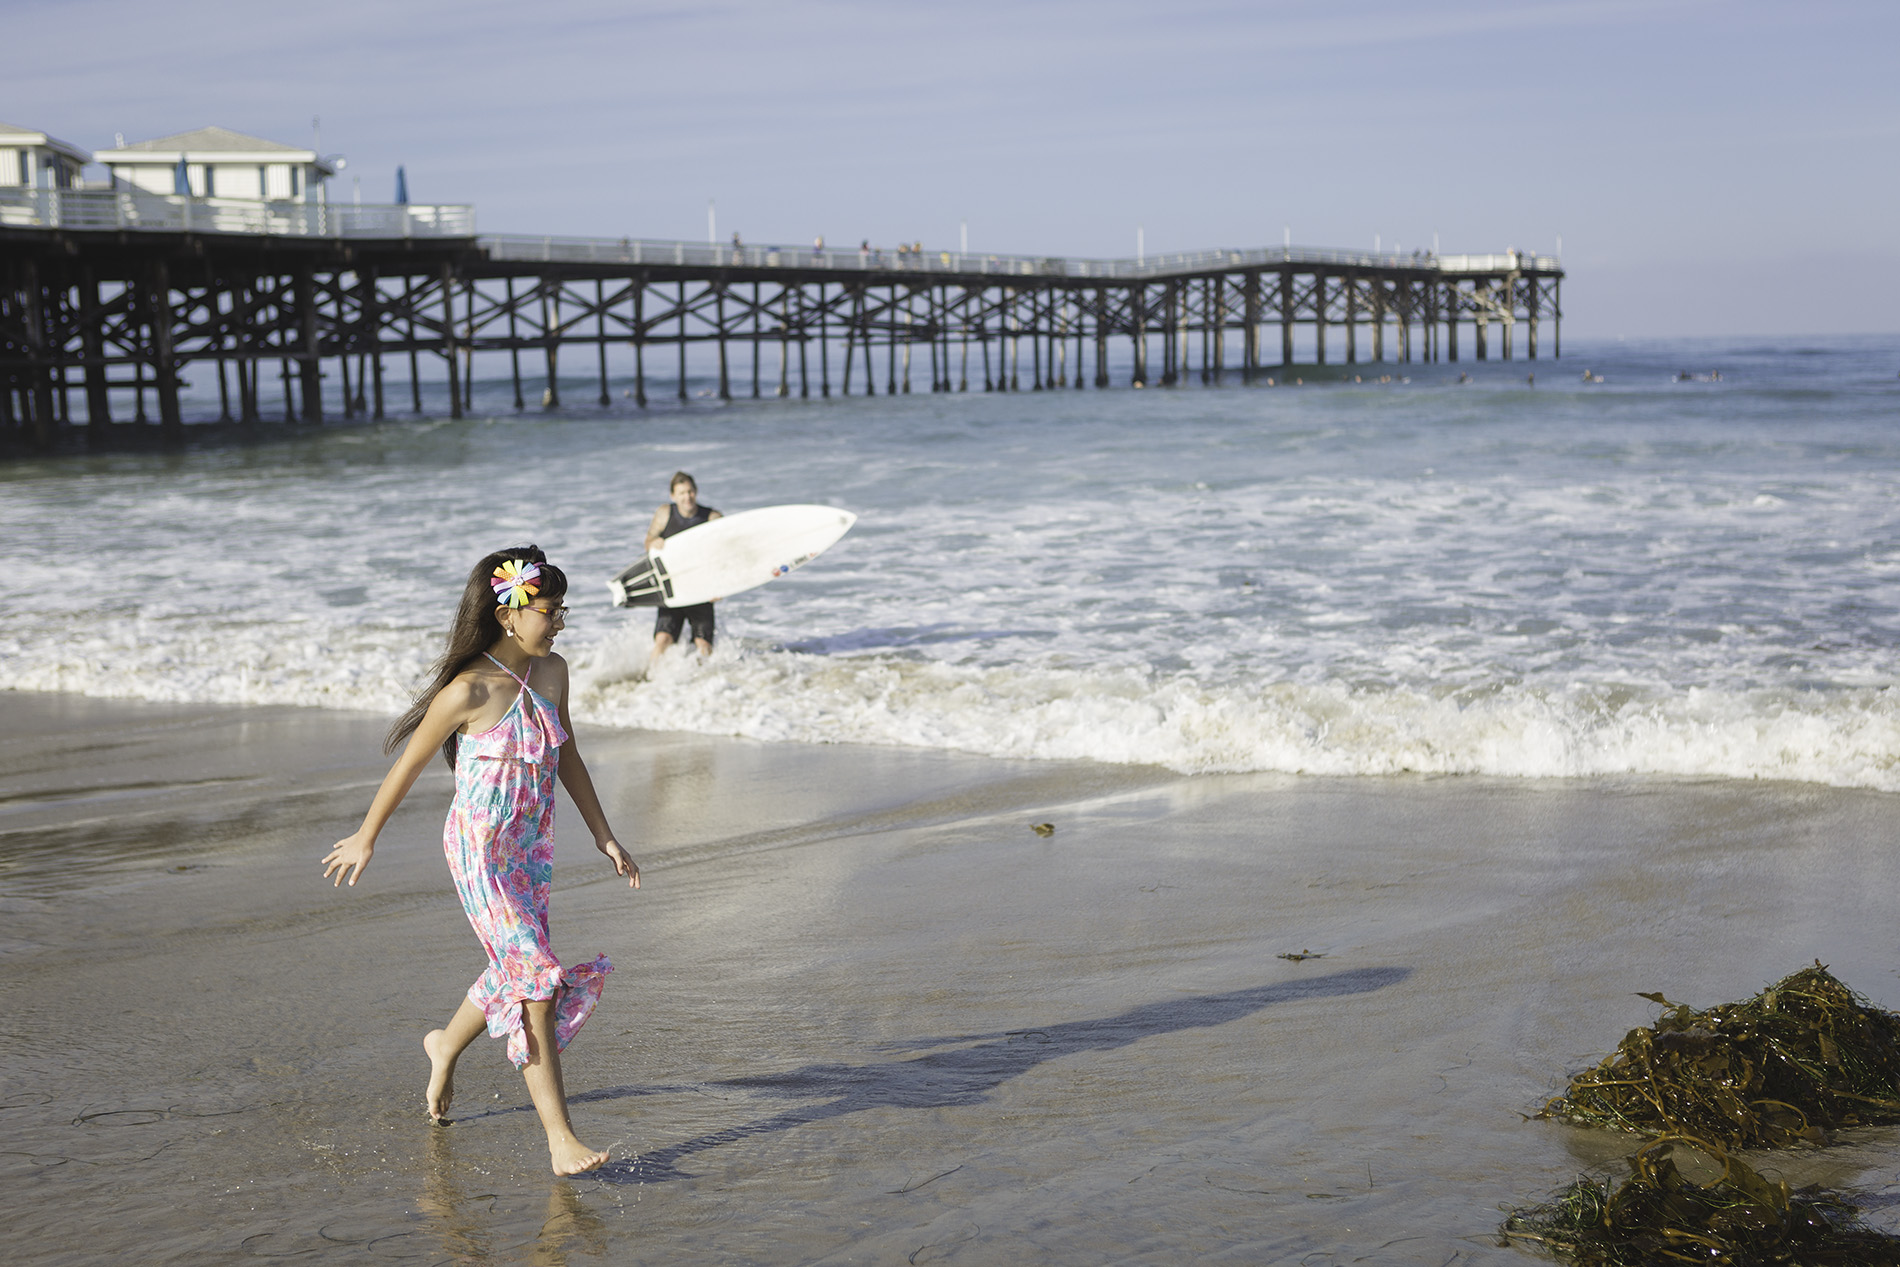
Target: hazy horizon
column 1711, row 168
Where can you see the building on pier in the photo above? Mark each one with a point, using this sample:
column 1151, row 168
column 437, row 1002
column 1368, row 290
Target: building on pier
column 220, row 163
column 34, row 160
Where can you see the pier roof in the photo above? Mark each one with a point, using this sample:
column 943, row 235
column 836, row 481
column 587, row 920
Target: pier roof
column 212, row 144
column 25, row 138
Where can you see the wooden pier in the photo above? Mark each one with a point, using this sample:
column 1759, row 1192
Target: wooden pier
column 100, row 318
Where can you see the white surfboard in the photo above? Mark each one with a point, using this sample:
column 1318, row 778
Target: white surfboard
column 730, row 555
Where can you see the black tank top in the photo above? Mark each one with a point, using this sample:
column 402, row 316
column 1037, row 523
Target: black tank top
column 677, row 523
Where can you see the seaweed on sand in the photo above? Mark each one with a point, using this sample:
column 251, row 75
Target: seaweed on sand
column 1659, row 1215
column 1804, row 1056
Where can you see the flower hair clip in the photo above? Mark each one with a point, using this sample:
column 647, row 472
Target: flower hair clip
column 514, row 583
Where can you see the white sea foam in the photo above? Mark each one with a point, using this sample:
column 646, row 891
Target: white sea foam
column 1847, row 738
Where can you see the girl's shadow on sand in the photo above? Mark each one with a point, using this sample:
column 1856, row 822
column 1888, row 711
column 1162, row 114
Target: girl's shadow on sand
column 966, row 1075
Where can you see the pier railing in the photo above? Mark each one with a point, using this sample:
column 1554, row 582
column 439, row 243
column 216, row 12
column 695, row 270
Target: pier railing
column 572, row 250
column 139, row 211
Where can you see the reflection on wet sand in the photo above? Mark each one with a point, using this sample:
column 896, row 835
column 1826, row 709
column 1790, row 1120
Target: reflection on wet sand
column 463, row 1223
column 457, row 1219
column 571, row 1228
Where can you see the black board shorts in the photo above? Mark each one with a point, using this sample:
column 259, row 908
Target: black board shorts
column 668, row 621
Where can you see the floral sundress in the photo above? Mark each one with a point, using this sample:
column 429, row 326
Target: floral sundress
column 499, row 839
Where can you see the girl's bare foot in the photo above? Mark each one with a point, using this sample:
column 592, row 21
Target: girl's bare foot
column 441, row 1075
column 571, row 1157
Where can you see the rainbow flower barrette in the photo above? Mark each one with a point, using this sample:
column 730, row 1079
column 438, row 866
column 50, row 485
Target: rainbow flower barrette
column 515, row 583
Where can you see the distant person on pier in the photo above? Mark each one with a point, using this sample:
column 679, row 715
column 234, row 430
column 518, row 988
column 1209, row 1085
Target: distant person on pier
column 679, row 514
column 818, row 245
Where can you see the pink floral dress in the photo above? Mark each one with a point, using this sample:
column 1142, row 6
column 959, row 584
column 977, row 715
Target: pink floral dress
column 500, row 843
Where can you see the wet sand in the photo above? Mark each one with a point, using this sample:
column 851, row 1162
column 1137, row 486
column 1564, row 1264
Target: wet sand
column 862, row 1013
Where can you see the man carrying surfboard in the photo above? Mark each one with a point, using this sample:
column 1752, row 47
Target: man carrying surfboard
column 681, row 513
column 690, row 563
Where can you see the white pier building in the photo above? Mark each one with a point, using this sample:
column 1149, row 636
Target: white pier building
column 35, row 160
column 219, row 163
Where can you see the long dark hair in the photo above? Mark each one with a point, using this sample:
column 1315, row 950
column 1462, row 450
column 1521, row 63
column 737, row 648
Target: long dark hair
column 475, row 630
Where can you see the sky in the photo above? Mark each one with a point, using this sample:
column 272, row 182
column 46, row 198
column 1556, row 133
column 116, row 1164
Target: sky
column 1711, row 166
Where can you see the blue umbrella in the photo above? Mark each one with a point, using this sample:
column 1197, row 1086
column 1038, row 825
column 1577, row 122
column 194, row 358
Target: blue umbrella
column 181, row 179
column 402, row 187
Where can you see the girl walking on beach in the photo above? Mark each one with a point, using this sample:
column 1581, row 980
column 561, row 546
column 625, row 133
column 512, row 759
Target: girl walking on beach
column 497, row 708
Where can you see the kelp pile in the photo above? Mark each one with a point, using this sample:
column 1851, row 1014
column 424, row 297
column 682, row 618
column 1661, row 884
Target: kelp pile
column 1660, row 1215
column 1805, row 1056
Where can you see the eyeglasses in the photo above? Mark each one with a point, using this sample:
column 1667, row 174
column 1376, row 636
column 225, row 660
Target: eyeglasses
column 556, row 614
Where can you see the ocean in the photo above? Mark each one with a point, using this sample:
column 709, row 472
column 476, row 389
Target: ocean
column 1649, row 574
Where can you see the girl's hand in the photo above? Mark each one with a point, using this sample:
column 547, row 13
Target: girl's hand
column 351, row 858
column 623, row 862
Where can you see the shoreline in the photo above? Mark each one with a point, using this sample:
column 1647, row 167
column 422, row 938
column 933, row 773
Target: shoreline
column 860, row 1009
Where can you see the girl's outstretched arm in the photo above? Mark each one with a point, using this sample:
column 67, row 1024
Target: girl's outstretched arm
column 455, row 704
column 580, row 786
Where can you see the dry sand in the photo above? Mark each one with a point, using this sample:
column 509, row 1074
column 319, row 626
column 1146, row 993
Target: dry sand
column 862, row 1013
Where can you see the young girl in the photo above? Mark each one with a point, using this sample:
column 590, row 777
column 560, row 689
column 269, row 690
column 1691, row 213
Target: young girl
column 497, row 708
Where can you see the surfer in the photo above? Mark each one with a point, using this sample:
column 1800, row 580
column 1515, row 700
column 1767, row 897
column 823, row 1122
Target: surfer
column 683, row 512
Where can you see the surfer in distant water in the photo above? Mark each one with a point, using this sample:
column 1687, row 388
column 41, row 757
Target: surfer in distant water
column 683, row 512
